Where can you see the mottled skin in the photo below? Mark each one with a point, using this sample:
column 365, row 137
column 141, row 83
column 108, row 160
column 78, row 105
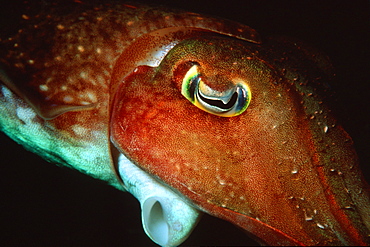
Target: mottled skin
column 74, row 74
column 308, row 160
column 289, row 170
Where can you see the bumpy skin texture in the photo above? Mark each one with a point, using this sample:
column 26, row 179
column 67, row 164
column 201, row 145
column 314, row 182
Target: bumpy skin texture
column 334, row 174
column 295, row 183
column 83, row 42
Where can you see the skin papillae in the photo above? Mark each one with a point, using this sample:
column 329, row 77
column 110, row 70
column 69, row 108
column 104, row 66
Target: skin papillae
column 284, row 171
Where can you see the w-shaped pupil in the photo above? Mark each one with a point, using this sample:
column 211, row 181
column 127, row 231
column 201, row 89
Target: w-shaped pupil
column 219, row 103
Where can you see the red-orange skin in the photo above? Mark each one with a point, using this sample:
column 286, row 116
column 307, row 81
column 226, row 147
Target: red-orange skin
column 283, row 170
column 275, row 170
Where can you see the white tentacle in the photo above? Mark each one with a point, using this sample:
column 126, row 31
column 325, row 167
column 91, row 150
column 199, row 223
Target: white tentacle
column 167, row 219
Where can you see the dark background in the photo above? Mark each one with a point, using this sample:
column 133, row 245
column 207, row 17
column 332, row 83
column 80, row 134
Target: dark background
column 45, row 205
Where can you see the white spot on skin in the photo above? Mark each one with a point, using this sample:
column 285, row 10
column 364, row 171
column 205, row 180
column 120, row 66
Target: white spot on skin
column 92, row 96
column 68, row 99
column 222, row 182
column 308, row 218
column 98, row 50
column 326, row 128
column 79, row 130
column 84, row 103
column 6, row 92
column 80, row 48
column 43, row 88
column 83, row 75
column 295, row 171
column 320, row 225
column 25, row 114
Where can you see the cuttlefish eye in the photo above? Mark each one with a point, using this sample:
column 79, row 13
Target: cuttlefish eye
column 231, row 102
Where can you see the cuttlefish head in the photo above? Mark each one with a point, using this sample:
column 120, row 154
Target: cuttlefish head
column 241, row 131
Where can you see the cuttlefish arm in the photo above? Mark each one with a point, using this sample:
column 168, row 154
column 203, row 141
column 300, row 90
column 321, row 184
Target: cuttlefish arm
column 274, row 163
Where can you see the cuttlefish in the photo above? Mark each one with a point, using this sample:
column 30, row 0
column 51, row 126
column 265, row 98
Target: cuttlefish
column 189, row 113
